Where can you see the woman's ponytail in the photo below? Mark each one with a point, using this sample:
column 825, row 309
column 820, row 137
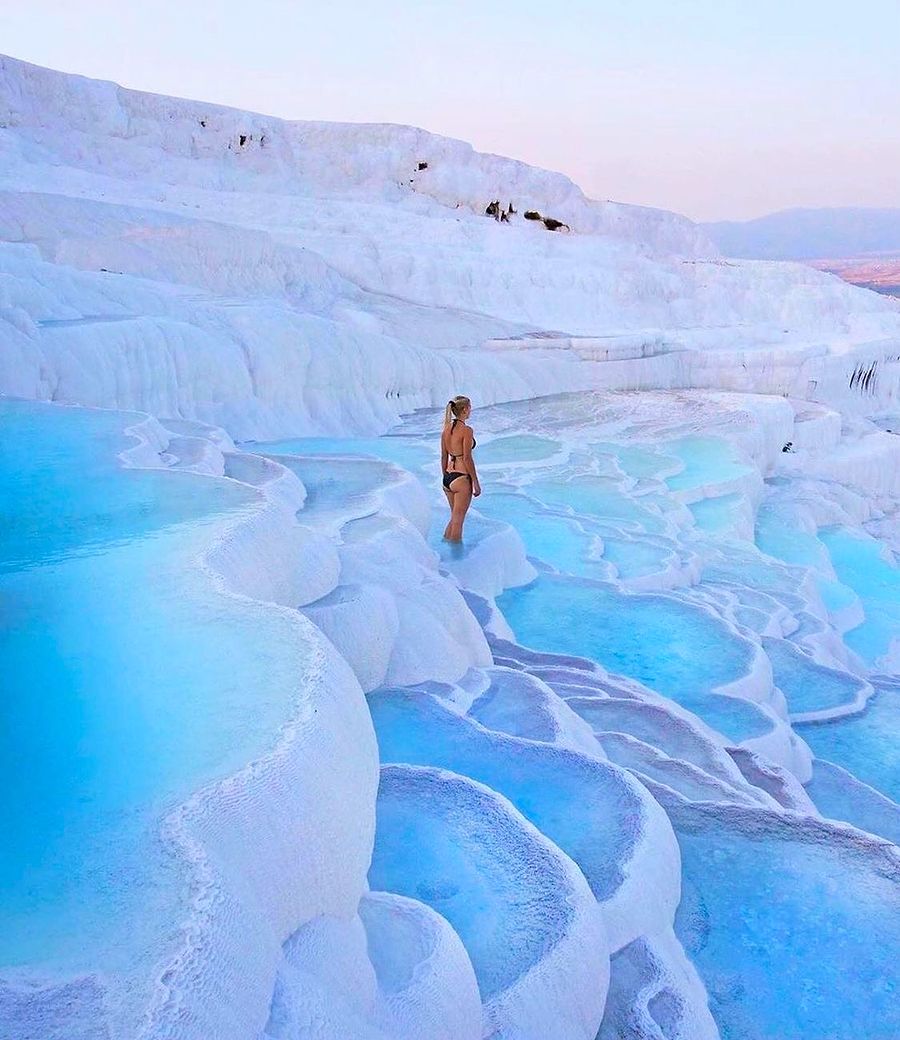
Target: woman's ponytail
column 454, row 406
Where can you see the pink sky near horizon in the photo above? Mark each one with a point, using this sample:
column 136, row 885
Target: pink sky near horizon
column 716, row 110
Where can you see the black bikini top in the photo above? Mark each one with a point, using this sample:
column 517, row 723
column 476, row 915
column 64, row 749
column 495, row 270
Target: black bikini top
column 453, row 423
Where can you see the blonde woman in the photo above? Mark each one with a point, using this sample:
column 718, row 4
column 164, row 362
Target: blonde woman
column 460, row 478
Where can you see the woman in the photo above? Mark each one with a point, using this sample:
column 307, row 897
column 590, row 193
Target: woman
column 460, row 478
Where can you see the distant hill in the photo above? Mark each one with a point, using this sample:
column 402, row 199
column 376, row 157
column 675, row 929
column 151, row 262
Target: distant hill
column 882, row 275
column 810, row 234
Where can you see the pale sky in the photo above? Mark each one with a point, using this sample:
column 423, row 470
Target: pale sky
column 719, row 109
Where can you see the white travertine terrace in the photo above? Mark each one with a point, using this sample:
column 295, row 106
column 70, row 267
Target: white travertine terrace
column 236, row 278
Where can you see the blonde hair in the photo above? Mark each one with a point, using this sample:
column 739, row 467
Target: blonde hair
column 455, row 406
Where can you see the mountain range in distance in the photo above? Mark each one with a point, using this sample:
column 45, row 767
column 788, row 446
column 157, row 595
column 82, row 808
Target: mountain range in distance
column 860, row 245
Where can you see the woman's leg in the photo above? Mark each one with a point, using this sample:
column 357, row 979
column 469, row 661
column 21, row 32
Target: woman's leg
column 448, row 495
column 461, row 489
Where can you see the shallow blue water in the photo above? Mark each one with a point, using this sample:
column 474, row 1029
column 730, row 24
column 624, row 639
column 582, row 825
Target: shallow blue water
column 859, row 564
column 835, row 595
column 673, row 647
column 733, row 717
column 128, row 682
column 707, row 460
column 806, row 685
column 719, row 515
column 778, row 535
column 409, row 452
column 558, row 541
column 795, row 939
column 636, row 461
column 337, row 487
column 523, row 448
column 839, row 795
column 477, row 529
column 583, row 806
column 634, row 559
column 599, row 497
column 749, row 568
column 443, row 841
column 866, row 745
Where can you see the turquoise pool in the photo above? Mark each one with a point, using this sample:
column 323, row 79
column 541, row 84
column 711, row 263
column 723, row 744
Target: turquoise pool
column 859, row 563
column 866, row 745
column 706, row 460
column 673, row 647
column 129, row 682
column 794, row 937
column 411, row 453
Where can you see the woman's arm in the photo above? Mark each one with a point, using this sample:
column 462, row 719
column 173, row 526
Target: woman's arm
column 444, row 452
column 468, row 461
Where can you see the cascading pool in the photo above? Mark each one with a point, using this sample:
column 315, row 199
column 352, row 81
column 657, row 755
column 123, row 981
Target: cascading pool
column 865, row 744
column 861, row 564
column 409, row 452
column 794, row 930
column 774, row 916
column 675, row 648
column 130, row 681
column 809, row 687
column 557, row 540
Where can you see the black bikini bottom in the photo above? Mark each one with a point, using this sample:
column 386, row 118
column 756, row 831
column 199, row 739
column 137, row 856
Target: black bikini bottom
column 450, row 477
